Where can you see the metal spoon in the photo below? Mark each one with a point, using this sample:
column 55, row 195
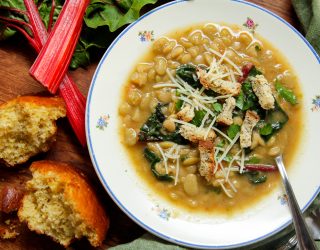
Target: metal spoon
column 305, row 241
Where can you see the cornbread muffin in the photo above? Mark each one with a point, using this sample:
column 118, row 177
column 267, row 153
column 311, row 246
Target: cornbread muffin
column 60, row 203
column 27, row 127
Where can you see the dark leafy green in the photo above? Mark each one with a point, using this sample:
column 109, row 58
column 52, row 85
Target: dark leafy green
column 256, row 177
column 188, row 73
column 272, row 122
column 254, row 72
column 153, row 160
column 198, row 117
column 113, row 14
column 152, row 129
column 233, row 130
column 286, row 93
column 247, row 98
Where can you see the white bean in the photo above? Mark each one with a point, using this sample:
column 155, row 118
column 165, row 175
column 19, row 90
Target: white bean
column 190, row 185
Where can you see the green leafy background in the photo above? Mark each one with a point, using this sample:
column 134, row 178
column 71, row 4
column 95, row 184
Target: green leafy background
column 102, row 18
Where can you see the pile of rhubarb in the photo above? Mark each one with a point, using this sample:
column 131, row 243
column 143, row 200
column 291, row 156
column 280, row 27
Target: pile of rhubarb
column 55, row 47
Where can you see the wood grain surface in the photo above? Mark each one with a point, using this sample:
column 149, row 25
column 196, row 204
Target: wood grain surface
column 16, row 57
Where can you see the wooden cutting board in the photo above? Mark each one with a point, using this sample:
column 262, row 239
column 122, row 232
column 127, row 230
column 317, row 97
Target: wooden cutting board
column 16, row 57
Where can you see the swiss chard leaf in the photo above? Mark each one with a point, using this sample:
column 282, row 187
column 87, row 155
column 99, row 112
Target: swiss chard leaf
column 286, row 93
column 198, row 117
column 273, row 121
column 113, row 14
column 276, row 117
column 152, row 129
column 153, row 160
column 266, row 129
column 188, row 73
column 6, row 32
column 217, row 107
column 254, row 72
column 178, row 104
column 256, row 177
column 253, row 160
column 233, row 130
column 247, row 98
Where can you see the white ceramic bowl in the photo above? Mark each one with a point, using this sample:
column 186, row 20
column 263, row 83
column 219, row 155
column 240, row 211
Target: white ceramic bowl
column 127, row 189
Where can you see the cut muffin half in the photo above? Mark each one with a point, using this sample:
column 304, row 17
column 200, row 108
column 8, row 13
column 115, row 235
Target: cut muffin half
column 61, row 204
column 27, row 127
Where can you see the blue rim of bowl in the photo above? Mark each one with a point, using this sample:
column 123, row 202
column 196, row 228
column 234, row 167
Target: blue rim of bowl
column 97, row 168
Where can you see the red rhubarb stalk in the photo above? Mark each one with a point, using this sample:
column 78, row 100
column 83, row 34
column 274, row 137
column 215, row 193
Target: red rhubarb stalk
column 54, row 58
column 75, row 101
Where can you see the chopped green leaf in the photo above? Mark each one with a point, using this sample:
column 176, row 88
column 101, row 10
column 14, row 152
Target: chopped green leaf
column 256, row 177
column 240, row 100
column 198, row 117
column 217, row 107
column 257, row 48
column 178, row 104
column 254, row 72
column 154, row 159
column 286, row 93
column 233, row 130
column 253, row 160
column 266, row 129
column 188, row 73
column 228, row 158
column 151, row 130
column 276, row 117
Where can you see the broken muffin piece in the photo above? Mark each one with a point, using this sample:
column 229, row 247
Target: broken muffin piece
column 27, row 127
column 61, row 204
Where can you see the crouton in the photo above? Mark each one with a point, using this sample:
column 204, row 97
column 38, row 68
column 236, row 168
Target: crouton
column 206, row 159
column 27, row 127
column 250, row 121
column 186, row 114
column 225, row 116
column 195, row 134
column 263, row 91
column 60, row 203
column 219, row 85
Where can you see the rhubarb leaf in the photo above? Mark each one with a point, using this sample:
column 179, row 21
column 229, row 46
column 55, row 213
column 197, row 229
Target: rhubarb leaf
column 113, row 14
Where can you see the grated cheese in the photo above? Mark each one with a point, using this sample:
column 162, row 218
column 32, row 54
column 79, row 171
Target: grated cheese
column 165, row 160
column 225, row 190
column 162, row 85
column 177, row 167
column 221, row 133
column 229, row 147
column 210, row 127
column 231, row 162
column 227, row 60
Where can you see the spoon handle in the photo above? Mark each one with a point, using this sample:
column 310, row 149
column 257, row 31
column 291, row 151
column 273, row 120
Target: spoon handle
column 305, row 240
